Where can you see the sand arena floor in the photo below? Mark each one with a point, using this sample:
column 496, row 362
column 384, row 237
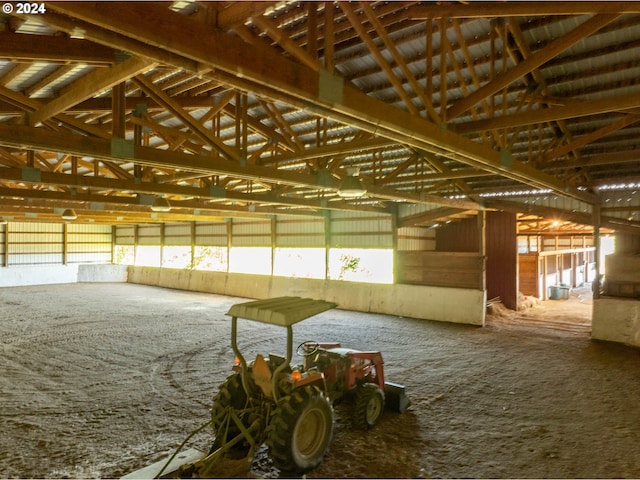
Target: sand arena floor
column 97, row 380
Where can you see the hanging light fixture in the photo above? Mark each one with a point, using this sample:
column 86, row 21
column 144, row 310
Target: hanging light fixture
column 69, row 214
column 161, row 204
column 351, row 187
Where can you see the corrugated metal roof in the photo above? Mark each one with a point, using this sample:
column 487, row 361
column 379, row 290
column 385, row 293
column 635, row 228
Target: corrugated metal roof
column 600, row 66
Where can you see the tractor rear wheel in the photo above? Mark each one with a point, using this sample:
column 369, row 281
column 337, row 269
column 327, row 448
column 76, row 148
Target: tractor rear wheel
column 230, row 394
column 300, row 430
column 369, row 406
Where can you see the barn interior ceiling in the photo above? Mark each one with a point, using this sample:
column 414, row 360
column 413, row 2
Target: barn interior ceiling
column 235, row 109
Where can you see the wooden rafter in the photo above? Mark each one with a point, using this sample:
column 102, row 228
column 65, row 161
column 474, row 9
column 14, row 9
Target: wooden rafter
column 195, row 125
column 535, row 60
column 390, row 45
column 87, row 86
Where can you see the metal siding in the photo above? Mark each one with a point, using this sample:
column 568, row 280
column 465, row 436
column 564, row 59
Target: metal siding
column 300, row 233
column 89, row 243
column 552, row 201
column 211, row 234
column 251, row 233
column 416, row 239
column 125, row 235
column 177, row 234
column 349, row 230
column 149, row 235
column 35, row 243
column 3, row 237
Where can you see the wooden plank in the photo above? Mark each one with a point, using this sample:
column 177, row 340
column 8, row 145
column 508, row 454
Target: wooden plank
column 440, row 269
column 152, row 471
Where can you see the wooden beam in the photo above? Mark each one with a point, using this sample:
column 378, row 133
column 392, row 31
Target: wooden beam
column 163, row 99
column 357, row 24
column 266, row 72
column 391, row 47
column 583, row 109
column 625, row 121
column 53, row 49
column 285, row 42
column 89, row 86
column 519, row 9
column 38, row 138
column 429, row 216
column 538, row 58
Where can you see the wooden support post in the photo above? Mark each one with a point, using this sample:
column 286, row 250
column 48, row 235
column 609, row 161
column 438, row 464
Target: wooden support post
column 161, row 244
column 544, row 295
column 114, row 231
column 193, row 244
column 482, row 248
column 327, row 242
column 65, row 243
column 394, row 230
column 136, row 236
column 118, row 110
column 229, row 237
column 273, row 242
column 328, row 36
column 596, row 241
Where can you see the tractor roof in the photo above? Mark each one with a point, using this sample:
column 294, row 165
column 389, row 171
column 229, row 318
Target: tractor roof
column 282, row 311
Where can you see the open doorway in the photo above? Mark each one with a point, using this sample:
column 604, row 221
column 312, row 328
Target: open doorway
column 556, row 267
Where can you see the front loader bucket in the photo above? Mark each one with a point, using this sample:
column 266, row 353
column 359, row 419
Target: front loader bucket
column 395, row 397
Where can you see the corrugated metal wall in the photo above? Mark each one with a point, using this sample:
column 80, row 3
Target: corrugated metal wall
column 150, row 235
column 3, row 244
column 177, row 234
column 54, row 244
column 250, row 233
column 89, row 243
column 360, row 230
column 211, row 234
column 347, row 230
column 416, row 239
column 125, row 235
column 299, row 232
column 35, row 243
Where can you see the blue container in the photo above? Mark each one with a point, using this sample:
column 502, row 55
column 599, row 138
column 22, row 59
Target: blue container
column 559, row 292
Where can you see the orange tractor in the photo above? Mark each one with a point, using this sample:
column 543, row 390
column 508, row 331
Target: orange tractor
column 289, row 407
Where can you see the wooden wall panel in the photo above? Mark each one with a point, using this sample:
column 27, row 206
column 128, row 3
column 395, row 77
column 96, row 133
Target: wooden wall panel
column 461, row 236
column 627, row 243
column 502, row 258
column 528, row 274
column 440, row 269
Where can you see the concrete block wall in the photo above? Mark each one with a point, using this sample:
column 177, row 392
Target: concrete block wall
column 616, row 320
column 455, row 305
column 17, row 276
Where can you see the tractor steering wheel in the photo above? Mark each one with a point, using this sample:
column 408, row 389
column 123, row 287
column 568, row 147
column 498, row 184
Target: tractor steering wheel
column 301, row 350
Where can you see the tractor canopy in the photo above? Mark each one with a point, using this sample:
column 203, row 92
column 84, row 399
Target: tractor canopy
column 282, row 311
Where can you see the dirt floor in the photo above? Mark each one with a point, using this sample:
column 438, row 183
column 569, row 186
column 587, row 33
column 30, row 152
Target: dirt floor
column 98, row 380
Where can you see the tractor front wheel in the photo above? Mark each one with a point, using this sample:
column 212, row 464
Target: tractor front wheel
column 300, row 430
column 369, row 406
